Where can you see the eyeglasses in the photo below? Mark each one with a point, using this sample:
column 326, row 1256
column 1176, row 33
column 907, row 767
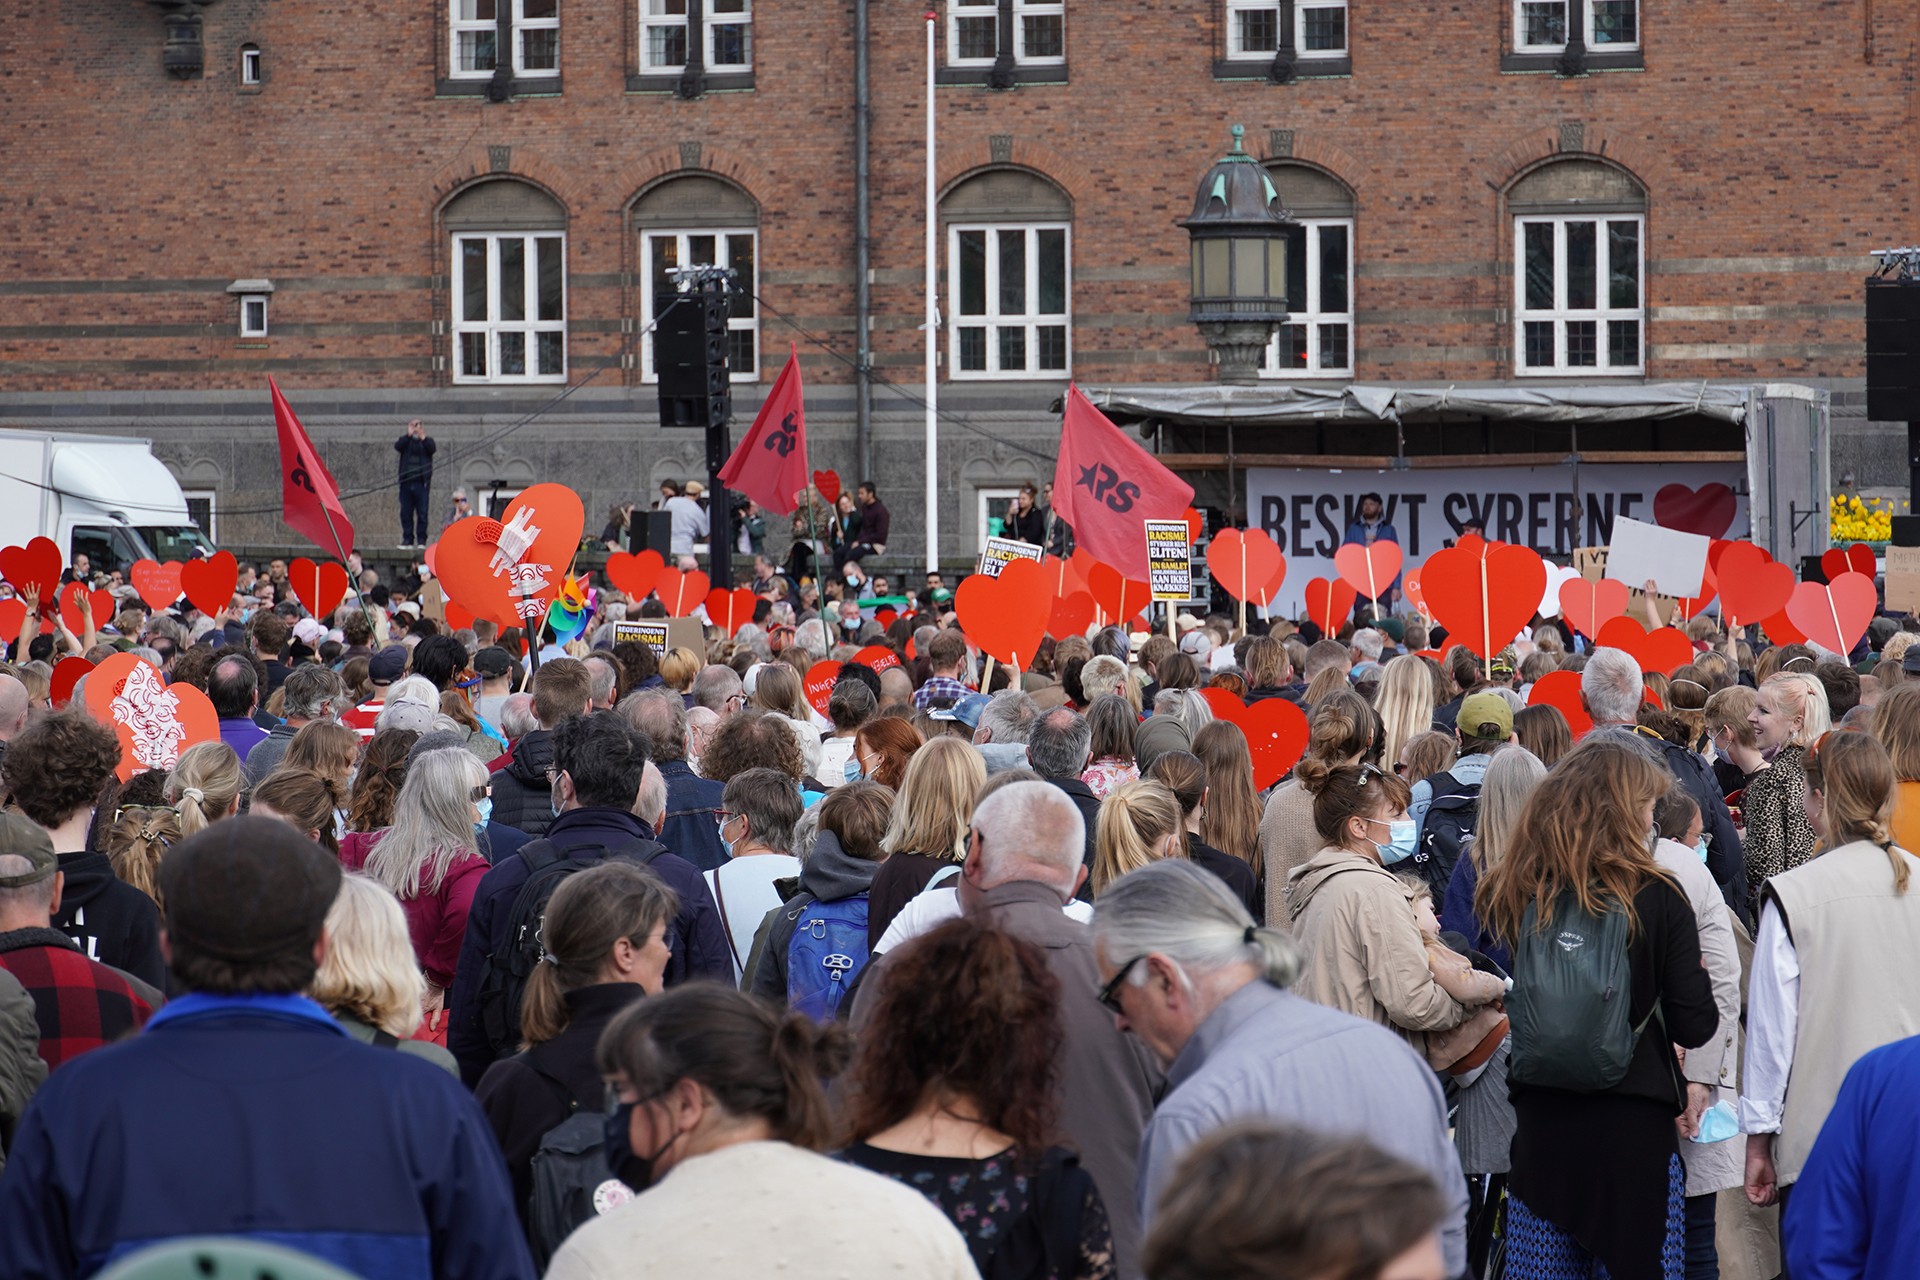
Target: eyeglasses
column 481, row 792
column 1109, row 992
column 721, row 817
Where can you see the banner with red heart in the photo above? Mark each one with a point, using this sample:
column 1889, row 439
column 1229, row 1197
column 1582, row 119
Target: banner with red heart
column 1276, row 731
column 158, row 584
column 730, row 610
column 67, row 673
column 1329, row 603
column 877, row 658
column 321, row 587
column 35, row 566
column 1707, row 511
column 828, row 483
column 1753, row 585
column 1006, row 616
column 1121, row 599
column 636, row 572
column 819, row 683
column 1858, row 558
column 1248, row 563
column 511, row 569
column 1664, row 649
column 1834, row 616
column 1590, row 605
column 1071, row 615
column 1369, row 568
column 1561, row 691
column 682, row 593
column 155, row 721
column 103, row 604
column 209, row 583
column 1483, row 600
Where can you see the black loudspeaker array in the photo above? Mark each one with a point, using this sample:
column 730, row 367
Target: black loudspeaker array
column 1893, row 350
column 690, row 357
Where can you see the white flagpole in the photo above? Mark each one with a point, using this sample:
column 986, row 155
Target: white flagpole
column 933, row 320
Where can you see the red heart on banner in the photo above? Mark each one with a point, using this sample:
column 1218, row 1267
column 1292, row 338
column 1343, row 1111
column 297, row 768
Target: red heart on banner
column 1858, row 558
column 1753, row 585
column 1834, row 616
column 158, row 584
column 1006, row 616
column 730, row 610
column 1276, row 731
column 1780, row 630
column 466, row 550
column 636, row 572
column 828, row 483
column 1664, row 649
column 1514, row 579
column 1561, row 691
column 1707, row 511
column 819, row 683
column 13, row 614
column 67, row 673
column 1329, row 603
column 321, row 587
column 1245, row 562
column 209, row 583
column 104, row 607
column 1071, row 615
column 1590, row 605
column 36, row 565
column 877, row 658
column 1119, row 597
column 1369, row 568
column 155, row 721
column 682, row 593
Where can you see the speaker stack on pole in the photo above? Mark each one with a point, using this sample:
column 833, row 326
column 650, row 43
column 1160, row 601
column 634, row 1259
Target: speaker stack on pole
column 696, row 390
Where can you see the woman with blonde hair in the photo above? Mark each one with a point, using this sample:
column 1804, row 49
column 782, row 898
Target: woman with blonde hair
column 142, row 831
column 1186, row 775
column 368, row 980
column 329, row 749
column 1789, row 715
column 205, row 785
column 1405, row 702
column 1341, row 732
column 777, row 688
column 678, row 669
column 1231, row 819
column 926, row 838
column 1729, row 722
column 1509, row 784
column 1140, row 822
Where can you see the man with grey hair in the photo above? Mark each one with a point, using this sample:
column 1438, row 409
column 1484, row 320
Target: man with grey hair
column 1611, row 687
column 516, row 717
column 1366, row 646
column 311, row 691
column 718, row 689
column 691, row 802
column 1187, row 971
column 811, row 635
column 702, row 724
column 603, row 679
column 14, row 705
column 1059, row 747
column 1006, row 721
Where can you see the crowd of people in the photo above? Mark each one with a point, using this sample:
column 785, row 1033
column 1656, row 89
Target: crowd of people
column 462, row 953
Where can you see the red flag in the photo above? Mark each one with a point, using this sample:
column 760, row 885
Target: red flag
column 770, row 466
column 1106, row 484
column 307, row 491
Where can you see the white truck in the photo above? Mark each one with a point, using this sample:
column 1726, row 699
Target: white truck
column 106, row 497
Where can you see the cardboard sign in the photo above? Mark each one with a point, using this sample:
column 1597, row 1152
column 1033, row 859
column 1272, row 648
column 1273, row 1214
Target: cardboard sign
column 1674, row 561
column 1903, row 578
column 1170, row 559
column 998, row 553
column 652, row 632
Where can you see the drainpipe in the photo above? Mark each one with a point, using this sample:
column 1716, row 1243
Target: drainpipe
column 862, row 249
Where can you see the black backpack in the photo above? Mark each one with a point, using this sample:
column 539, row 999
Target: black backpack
column 511, row 962
column 1449, row 825
column 571, row 1179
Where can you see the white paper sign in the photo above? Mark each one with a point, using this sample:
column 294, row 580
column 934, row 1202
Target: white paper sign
column 1675, row 562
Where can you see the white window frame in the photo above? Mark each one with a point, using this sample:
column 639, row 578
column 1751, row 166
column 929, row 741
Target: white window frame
column 483, row 496
column 1593, row 44
column 457, row 27
column 990, row 501
column 247, row 328
column 735, row 324
column 250, row 65
column 1237, row 52
column 212, row 498
column 650, row 21
column 523, row 24
column 1559, row 314
column 493, row 328
column 1022, row 9
column 716, row 20
column 992, row 319
column 1312, row 317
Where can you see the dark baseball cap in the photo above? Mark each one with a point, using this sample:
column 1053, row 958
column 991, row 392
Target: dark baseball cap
column 248, row 889
column 26, row 839
column 493, row 662
column 387, row 665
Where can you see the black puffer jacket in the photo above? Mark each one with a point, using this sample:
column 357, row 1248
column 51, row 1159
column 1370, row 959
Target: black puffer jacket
column 522, row 796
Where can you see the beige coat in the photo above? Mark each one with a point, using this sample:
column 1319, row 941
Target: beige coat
column 1287, row 840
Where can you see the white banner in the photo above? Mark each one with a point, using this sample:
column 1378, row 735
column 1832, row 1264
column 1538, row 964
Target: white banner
column 1308, row 512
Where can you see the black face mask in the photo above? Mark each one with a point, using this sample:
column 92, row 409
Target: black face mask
column 627, row 1164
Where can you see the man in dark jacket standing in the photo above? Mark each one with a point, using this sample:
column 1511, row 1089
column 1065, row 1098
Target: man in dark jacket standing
column 244, row 1110
column 522, row 793
column 416, row 450
column 599, row 762
column 693, row 802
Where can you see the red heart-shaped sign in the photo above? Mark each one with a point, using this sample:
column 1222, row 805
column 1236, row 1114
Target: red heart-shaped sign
column 67, row 673
column 1753, row 585
column 1276, row 732
column 877, row 658
column 1590, row 605
column 682, row 593
column 1246, row 562
column 35, row 566
column 511, row 569
column 1006, row 616
column 1196, row 523
column 458, row 618
column 1071, row 615
column 1707, row 511
column 636, row 572
column 1484, row 600
column 1329, row 602
column 828, row 483
column 1836, row 615
column 1780, row 630
column 1415, row 593
column 103, row 603
column 730, row 610
column 1119, row 598
column 321, row 587
column 1222, row 703
column 13, row 615
column 1858, row 558
column 1664, row 649
column 819, row 683
column 155, row 721
column 1063, row 576
column 209, row 583
column 158, row 584
column 1369, row 568
column 1561, row 691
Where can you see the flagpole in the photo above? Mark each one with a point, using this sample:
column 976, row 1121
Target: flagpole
column 933, row 315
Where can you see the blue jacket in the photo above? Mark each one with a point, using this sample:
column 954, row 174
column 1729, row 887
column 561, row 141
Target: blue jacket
column 689, row 829
column 1855, row 1211
column 696, row 937
column 258, row 1117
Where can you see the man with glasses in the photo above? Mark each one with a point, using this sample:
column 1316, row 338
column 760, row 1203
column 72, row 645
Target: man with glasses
column 1187, row 971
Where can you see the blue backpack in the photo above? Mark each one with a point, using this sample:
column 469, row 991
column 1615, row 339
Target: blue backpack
column 827, row 952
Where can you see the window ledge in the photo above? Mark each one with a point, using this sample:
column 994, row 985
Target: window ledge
column 1597, row 60
column 523, row 87
column 1303, row 69
column 669, row 82
column 981, row 77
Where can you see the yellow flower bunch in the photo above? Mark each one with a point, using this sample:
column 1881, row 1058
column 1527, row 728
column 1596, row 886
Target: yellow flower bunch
column 1851, row 520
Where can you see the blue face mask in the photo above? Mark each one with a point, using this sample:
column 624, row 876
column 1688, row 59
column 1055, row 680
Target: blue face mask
column 486, row 813
column 1701, row 848
column 852, row 772
column 1717, row 1123
column 1400, row 844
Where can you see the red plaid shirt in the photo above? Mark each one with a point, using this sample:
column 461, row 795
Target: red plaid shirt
column 80, row 1003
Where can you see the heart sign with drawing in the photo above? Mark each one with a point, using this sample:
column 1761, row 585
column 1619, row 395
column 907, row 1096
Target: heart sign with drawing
column 510, row 570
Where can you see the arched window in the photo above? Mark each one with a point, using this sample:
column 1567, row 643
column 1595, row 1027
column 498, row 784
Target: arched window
column 509, row 304
column 699, row 220
column 1318, row 339
column 1009, row 272
column 1579, row 235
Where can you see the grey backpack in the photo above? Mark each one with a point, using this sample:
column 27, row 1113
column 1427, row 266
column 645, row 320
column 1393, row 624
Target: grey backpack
column 1571, row 985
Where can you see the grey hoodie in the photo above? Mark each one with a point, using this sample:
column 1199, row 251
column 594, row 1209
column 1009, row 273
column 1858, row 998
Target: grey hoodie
column 830, row 874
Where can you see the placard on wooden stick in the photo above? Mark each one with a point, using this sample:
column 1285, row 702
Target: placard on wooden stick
column 1903, row 579
column 663, row 634
column 998, row 553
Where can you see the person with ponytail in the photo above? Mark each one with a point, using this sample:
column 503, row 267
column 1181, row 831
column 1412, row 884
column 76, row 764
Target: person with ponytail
column 1231, row 822
column 1140, row 822
column 605, row 936
column 719, row 1118
column 1341, row 732
column 302, row 799
column 1789, row 714
column 142, row 829
column 1839, row 937
column 383, row 766
column 205, row 786
column 1189, row 778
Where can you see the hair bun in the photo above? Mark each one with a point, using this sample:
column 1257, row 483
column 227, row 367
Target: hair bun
column 194, row 794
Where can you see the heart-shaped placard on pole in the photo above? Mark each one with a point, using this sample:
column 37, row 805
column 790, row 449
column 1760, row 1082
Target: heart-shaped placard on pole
column 13, row 615
column 877, row 658
column 1780, row 629
column 1006, row 616
column 1119, row 597
column 1836, row 615
column 636, row 572
column 1707, row 511
column 321, row 587
column 34, row 566
column 1196, row 523
column 1590, row 605
column 1483, row 600
column 1561, row 691
column 209, row 583
column 1276, row 731
column 730, row 610
column 828, row 483
column 1663, row 649
column 1329, row 602
column 67, row 673
column 1858, row 558
column 155, row 721
column 1416, row 594
column 1246, row 562
column 511, row 569
column 1071, row 615
column 1368, row 568
column 158, row 584
column 1063, row 576
column 819, row 683
column 1753, row 585
column 682, row 593
column 103, row 604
